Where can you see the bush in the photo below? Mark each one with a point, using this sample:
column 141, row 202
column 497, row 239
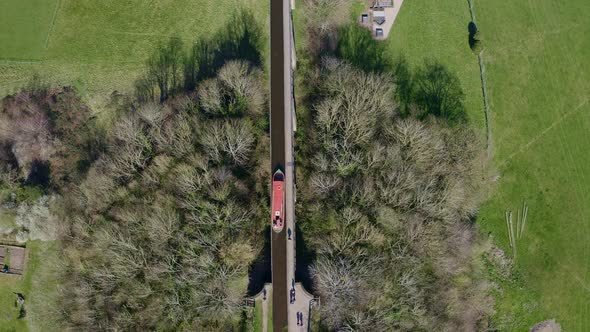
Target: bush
column 475, row 38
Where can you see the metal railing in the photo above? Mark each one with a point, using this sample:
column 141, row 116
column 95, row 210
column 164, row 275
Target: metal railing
column 382, row 3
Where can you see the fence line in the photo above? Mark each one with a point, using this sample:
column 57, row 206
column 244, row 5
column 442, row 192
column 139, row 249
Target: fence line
column 471, row 10
column 484, row 88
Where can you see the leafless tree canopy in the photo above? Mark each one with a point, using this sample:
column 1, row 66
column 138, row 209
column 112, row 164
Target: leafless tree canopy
column 158, row 232
column 235, row 91
column 392, row 232
column 161, row 228
column 46, row 127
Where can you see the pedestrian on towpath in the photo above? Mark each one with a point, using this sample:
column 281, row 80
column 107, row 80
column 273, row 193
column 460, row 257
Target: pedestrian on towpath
column 289, row 232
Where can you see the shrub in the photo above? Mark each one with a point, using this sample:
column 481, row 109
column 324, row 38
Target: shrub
column 36, row 221
column 475, row 38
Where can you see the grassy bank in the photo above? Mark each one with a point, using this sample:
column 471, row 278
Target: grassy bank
column 537, row 61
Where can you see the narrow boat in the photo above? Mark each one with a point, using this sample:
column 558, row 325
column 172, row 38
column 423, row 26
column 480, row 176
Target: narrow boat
column 278, row 201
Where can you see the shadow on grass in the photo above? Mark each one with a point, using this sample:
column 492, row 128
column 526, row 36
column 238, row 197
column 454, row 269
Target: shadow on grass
column 172, row 69
column 438, row 92
column 241, row 38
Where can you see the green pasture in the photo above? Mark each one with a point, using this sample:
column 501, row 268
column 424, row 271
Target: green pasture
column 99, row 46
column 25, row 28
column 537, row 55
column 437, row 30
column 38, row 284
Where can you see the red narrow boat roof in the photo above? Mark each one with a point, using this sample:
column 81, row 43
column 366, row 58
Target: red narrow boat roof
column 277, row 218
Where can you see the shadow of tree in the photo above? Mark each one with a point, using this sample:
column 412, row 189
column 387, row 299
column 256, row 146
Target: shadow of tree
column 305, row 258
column 40, row 174
column 474, row 39
column 241, row 38
column 438, row 92
column 171, row 69
column 260, row 270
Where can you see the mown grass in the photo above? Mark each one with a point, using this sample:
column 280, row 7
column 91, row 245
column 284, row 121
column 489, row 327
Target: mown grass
column 24, row 29
column 101, row 46
column 8, row 312
column 437, row 30
column 537, row 57
column 38, row 281
column 258, row 316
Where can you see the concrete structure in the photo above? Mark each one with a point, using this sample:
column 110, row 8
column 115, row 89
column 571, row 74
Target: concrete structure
column 282, row 129
column 280, row 117
column 16, row 262
column 380, row 17
column 263, row 299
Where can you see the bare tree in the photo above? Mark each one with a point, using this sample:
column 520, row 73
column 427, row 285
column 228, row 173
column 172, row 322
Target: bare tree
column 164, row 67
column 210, row 97
column 231, row 139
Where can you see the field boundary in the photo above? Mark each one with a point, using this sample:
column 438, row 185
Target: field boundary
column 484, row 89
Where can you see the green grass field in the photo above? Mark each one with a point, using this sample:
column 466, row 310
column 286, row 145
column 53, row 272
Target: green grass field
column 538, row 62
column 437, row 30
column 258, row 316
column 25, row 28
column 99, row 46
column 36, row 284
column 8, row 312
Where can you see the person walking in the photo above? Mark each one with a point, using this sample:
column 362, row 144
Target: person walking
column 289, row 232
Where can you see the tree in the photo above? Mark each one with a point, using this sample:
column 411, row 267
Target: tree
column 229, row 140
column 242, row 87
column 165, row 68
column 397, row 193
column 50, row 136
